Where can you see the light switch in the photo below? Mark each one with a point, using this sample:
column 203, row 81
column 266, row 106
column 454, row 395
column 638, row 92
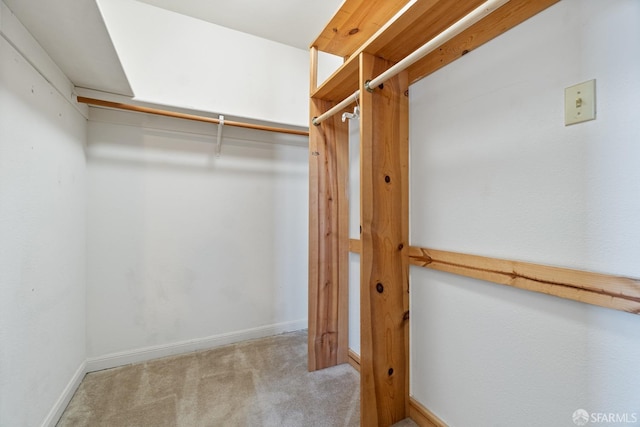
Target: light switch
column 580, row 103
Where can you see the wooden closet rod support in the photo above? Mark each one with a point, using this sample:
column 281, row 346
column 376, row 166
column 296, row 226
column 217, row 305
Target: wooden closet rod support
column 467, row 21
column 138, row 109
column 341, row 106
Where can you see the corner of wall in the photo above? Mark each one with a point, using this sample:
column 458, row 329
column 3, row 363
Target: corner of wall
column 65, row 397
column 18, row 36
column 42, row 139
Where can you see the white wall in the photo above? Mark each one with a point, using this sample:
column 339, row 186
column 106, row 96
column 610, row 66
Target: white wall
column 495, row 172
column 177, row 60
column 183, row 250
column 354, row 233
column 42, row 233
column 184, row 247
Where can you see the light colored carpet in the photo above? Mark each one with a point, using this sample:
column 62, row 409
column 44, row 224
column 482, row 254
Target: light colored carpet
column 255, row 383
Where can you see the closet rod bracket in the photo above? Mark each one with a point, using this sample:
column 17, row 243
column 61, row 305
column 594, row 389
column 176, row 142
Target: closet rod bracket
column 367, row 86
column 219, row 144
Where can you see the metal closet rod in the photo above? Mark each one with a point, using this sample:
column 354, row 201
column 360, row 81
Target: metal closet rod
column 467, row 21
column 136, row 108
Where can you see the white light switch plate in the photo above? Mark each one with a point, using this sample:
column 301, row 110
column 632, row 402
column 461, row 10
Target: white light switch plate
column 580, row 103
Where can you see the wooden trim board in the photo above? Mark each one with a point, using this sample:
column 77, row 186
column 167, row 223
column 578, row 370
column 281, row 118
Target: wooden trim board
column 422, row 416
column 313, row 69
column 421, row 22
column 355, row 246
column 328, row 241
column 620, row 293
column 417, row 412
column 354, row 360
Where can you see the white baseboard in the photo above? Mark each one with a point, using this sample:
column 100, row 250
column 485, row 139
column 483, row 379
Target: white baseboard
column 61, row 404
column 148, row 353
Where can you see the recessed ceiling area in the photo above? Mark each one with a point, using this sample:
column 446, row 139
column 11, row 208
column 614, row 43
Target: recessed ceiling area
column 74, row 33
column 292, row 22
column 76, row 38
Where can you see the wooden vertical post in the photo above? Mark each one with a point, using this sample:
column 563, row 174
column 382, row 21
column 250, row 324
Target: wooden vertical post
column 313, row 69
column 328, row 240
column 384, row 177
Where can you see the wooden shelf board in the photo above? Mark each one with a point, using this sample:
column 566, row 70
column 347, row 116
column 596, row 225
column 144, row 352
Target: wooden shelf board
column 342, row 83
column 497, row 23
column 419, row 24
column 425, row 20
column 354, row 23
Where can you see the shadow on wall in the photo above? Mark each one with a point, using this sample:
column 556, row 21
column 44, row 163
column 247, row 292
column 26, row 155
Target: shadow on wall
column 185, row 246
column 140, row 139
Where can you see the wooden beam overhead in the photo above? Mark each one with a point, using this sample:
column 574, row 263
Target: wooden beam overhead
column 420, row 23
column 424, row 21
column 354, row 23
column 497, row 23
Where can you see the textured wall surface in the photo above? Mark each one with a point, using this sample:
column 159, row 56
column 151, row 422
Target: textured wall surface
column 42, row 234
column 183, row 245
column 354, row 233
column 208, row 67
column 495, row 172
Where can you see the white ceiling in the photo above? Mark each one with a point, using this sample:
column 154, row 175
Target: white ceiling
column 74, row 35
column 76, row 38
column 293, row 22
